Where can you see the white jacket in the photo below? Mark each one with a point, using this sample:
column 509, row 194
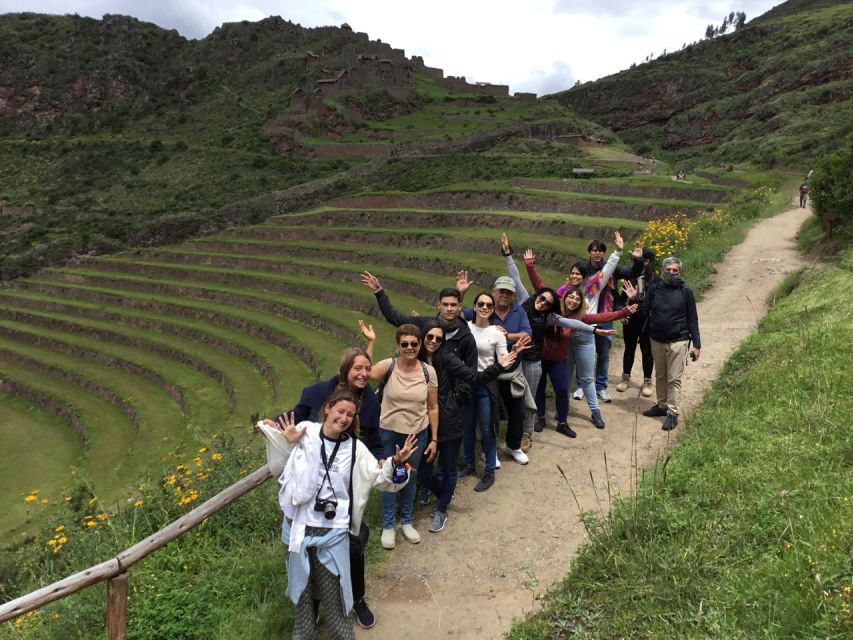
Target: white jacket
column 296, row 466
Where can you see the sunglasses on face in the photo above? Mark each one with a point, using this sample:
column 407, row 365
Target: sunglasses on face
column 431, row 338
column 413, row 344
column 543, row 300
column 482, row 304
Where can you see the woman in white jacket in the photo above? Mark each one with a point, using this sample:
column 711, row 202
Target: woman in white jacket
column 326, row 474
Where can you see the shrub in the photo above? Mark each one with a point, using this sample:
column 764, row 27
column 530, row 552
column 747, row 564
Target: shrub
column 831, row 190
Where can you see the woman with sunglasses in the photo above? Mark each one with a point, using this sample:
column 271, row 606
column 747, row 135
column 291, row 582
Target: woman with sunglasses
column 576, row 348
column 409, row 406
column 450, row 370
column 326, row 474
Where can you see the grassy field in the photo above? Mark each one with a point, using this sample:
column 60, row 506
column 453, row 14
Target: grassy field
column 744, row 531
column 233, row 325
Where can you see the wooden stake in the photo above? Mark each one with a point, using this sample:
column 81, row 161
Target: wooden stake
column 117, row 607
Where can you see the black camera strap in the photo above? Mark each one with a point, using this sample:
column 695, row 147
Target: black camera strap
column 328, row 461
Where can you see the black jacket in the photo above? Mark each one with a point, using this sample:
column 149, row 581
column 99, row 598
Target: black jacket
column 671, row 310
column 313, row 397
column 455, row 387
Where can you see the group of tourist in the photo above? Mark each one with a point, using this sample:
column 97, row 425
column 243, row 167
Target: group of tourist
column 456, row 377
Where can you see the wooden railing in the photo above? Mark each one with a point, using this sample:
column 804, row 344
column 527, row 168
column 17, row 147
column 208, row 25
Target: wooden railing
column 114, row 571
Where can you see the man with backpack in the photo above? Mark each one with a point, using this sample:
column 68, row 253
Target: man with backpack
column 673, row 325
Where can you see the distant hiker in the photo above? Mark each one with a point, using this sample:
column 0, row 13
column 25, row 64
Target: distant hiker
column 804, row 194
column 634, row 329
column 673, row 325
column 353, row 374
column 326, row 474
column 599, row 289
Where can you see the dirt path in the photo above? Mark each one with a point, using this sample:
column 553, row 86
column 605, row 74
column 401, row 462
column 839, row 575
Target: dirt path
column 503, row 548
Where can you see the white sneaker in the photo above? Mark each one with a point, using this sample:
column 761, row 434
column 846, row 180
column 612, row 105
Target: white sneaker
column 497, row 460
column 388, row 539
column 517, row 454
column 410, row 534
column 647, row 388
column 604, row 396
column 578, row 394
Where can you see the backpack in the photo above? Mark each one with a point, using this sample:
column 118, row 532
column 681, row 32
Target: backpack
column 381, row 390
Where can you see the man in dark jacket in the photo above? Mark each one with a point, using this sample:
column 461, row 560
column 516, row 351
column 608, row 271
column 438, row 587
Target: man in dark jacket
column 673, row 325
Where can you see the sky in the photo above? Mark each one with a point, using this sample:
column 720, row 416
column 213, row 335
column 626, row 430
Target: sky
column 541, row 46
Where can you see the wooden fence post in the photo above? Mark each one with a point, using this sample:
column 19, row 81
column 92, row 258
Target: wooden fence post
column 117, row 607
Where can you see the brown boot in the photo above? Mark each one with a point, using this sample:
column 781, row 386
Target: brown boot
column 647, row 388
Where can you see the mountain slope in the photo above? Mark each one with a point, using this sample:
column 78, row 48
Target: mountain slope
column 777, row 91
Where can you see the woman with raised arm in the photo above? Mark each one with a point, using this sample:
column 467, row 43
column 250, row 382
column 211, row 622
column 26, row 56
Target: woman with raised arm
column 540, row 313
column 326, row 475
column 580, row 346
column 451, row 405
column 353, row 374
column 409, row 391
column 634, row 329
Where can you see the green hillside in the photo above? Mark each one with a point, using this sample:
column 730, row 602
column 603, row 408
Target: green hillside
column 778, row 91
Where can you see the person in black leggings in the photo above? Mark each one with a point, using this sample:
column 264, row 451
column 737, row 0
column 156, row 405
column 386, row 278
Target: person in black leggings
column 634, row 329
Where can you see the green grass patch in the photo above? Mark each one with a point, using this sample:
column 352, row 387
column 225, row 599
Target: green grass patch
column 745, row 531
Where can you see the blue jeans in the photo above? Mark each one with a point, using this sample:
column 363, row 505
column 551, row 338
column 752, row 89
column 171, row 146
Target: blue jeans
column 443, row 487
column 480, row 410
column 390, row 439
column 602, row 357
column 558, row 372
column 582, row 356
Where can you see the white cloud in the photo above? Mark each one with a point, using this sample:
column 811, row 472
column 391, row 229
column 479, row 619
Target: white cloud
column 499, row 41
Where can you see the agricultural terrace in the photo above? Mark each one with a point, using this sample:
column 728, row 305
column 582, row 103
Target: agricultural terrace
column 127, row 362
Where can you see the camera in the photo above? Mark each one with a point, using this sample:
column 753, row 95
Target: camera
column 693, row 357
column 326, row 507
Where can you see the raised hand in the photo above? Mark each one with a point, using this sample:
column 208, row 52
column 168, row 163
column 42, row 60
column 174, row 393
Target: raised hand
column 618, row 241
column 505, row 248
column 500, row 329
column 637, row 251
column 287, row 425
column 529, row 256
column 507, row 360
column 605, row 332
column 371, row 281
column 462, row 281
column 367, row 331
column 632, row 308
column 409, row 447
column 630, row 290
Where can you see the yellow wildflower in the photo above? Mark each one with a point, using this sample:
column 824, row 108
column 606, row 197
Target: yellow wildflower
column 43, row 501
column 93, row 501
column 168, row 480
column 138, row 503
column 60, row 528
column 30, row 499
column 91, row 523
column 216, row 456
column 203, row 450
column 102, row 516
column 197, row 461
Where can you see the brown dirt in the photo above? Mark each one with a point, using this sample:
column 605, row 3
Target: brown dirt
column 502, row 549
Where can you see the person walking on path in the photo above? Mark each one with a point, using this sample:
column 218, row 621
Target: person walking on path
column 354, row 375
column 634, row 329
column 326, row 474
column 804, row 193
column 673, row 326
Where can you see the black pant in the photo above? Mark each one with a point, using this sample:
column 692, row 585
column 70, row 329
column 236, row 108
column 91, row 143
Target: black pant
column 357, row 545
column 632, row 331
column 515, row 414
